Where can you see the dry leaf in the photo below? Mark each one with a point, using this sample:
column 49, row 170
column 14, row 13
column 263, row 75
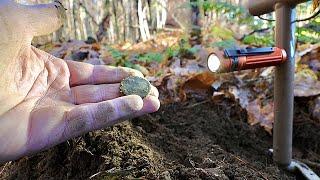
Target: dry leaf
column 306, row 84
column 172, row 86
column 199, row 85
column 261, row 114
column 191, row 68
column 65, row 49
column 96, row 47
column 315, row 4
column 241, row 94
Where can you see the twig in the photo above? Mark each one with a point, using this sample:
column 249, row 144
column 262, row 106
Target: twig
column 297, row 20
column 4, row 167
column 265, row 19
column 197, row 104
column 94, row 175
column 308, row 18
column 86, row 150
column 114, row 171
column 255, row 31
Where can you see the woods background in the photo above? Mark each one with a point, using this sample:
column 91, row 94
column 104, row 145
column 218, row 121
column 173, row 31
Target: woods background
column 210, row 126
column 114, row 21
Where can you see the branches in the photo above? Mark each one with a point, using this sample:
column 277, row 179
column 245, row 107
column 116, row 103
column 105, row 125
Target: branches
column 309, row 18
column 255, row 31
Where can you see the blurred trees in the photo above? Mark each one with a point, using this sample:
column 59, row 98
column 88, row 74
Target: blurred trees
column 115, row 21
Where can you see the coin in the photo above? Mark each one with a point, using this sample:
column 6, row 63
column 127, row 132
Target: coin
column 135, row 85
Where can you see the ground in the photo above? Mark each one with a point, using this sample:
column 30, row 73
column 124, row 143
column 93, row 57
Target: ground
column 190, row 140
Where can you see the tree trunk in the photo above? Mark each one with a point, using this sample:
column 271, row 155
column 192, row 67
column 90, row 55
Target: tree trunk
column 143, row 22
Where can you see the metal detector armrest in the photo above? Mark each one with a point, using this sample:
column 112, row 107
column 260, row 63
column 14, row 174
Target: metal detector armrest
column 260, row 7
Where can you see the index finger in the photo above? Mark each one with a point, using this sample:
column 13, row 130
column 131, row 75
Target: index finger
column 83, row 73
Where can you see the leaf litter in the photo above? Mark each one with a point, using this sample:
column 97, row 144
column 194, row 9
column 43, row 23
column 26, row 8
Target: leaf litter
column 180, row 78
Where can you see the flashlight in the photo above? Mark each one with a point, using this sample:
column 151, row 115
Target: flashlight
column 246, row 58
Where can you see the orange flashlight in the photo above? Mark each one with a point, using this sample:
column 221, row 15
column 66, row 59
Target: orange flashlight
column 246, row 58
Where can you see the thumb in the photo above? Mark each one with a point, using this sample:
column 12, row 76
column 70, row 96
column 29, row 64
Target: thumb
column 44, row 19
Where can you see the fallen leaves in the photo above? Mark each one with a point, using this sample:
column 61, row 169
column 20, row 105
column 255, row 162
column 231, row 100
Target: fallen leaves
column 261, row 114
column 254, row 98
column 240, row 94
column 78, row 51
column 180, row 77
column 158, row 43
column 198, row 86
column 306, row 84
column 315, row 4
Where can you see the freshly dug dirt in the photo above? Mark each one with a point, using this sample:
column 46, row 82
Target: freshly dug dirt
column 188, row 140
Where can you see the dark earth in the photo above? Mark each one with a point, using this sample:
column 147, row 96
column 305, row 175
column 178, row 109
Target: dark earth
column 190, row 140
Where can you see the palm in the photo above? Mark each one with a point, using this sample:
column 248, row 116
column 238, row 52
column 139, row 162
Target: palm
column 49, row 100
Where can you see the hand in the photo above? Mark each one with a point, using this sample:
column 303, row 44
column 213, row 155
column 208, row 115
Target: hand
column 45, row 100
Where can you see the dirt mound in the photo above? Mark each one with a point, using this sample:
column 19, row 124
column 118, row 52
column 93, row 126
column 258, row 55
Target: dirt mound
column 182, row 141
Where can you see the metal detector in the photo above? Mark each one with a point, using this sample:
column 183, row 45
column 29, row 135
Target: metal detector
column 284, row 77
column 283, row 58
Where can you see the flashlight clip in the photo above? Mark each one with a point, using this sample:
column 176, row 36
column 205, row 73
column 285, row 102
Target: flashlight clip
column 231, row 53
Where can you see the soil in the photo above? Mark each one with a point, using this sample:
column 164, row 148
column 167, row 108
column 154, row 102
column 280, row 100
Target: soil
column 190, row 140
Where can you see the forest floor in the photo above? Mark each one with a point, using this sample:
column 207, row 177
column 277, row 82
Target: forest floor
column 189, row 140
column 197, row 133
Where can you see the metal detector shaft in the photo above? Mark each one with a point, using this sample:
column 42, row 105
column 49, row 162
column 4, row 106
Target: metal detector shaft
column 283, row 85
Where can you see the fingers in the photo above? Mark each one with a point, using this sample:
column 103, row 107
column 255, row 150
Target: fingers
column 150, row 104
column 96, row 116
column 95, row 93
column 82, row 73
column 44, row 18
column 98, row 93
column 85, row 118
column 154, row 92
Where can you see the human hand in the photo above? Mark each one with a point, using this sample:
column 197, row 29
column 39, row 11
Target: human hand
column 45, row 100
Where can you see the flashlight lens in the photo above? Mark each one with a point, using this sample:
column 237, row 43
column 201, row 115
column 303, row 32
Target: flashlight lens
column 213, row 63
